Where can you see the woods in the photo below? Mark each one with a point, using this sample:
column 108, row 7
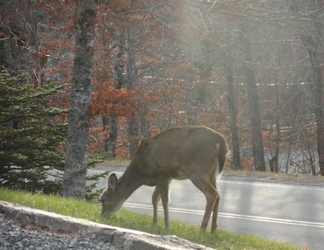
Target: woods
column 251, row 70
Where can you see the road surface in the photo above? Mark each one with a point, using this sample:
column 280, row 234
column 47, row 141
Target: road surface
column 284, row 213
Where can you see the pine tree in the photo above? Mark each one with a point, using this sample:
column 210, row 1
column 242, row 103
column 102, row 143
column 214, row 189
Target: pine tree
column 30, row 135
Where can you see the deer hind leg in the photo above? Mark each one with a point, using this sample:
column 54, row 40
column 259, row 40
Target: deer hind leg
column 204, row 184
column 155, row 200
column 215, row 212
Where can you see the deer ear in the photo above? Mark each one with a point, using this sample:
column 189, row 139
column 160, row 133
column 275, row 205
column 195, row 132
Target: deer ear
column 112, row 182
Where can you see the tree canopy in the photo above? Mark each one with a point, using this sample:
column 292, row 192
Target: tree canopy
column 251, row 70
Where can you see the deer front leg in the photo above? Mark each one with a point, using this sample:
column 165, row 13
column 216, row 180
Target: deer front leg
column 163, row 188
column 155, row 200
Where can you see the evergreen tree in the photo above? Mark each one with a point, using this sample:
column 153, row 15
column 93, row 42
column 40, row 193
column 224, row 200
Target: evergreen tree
column 30, row 135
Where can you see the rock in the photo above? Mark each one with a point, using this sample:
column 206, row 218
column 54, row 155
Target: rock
column 118, row 238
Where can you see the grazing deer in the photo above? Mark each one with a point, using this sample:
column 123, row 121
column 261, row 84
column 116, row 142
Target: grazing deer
column 197, row 153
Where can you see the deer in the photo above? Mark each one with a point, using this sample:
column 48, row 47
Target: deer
column 190, row 152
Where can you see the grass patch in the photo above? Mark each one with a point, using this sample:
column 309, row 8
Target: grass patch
column 115, row 163
column 127, row 219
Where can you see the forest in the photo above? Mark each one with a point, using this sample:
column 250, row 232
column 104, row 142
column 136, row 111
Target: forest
column 129, row 69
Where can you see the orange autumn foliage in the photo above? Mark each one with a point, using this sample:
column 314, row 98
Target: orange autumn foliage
column 108, row 100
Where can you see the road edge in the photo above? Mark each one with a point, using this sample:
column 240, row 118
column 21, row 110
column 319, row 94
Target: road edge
column 118, row 237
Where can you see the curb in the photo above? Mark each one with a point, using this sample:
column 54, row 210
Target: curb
column 118, row 237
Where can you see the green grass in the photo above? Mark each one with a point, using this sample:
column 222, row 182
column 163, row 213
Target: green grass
column 127, row 219
column 115, row 163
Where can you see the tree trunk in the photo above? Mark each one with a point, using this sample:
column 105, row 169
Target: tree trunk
column 132, row 85
column 274, row 164
column 274, row 160
column 120, row 81
column 132, row 135
column 232, row 114
column 250, row 82
column 74, row 178
column 144, row 123
column 111, row 124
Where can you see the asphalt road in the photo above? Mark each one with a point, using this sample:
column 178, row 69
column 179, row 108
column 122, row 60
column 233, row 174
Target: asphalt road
column 284, row 213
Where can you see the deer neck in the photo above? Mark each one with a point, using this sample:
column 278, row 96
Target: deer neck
column 127, row 184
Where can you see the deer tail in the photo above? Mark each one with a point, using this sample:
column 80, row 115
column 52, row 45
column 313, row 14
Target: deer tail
column 222, row 156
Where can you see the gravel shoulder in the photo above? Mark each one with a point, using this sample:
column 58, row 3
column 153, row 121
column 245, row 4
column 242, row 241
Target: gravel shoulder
column 28, row 228
column 277, row 178
column 14, row 235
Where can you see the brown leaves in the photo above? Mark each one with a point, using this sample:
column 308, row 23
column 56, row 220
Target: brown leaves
column 108, row 100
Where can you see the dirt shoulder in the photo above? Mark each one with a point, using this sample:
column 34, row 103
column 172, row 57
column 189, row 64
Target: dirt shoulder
column 243, row 176
column 278, row 178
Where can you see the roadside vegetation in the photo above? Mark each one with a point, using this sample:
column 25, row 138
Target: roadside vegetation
column 127, row 219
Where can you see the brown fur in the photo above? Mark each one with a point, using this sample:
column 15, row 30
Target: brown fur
column 179, row 153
